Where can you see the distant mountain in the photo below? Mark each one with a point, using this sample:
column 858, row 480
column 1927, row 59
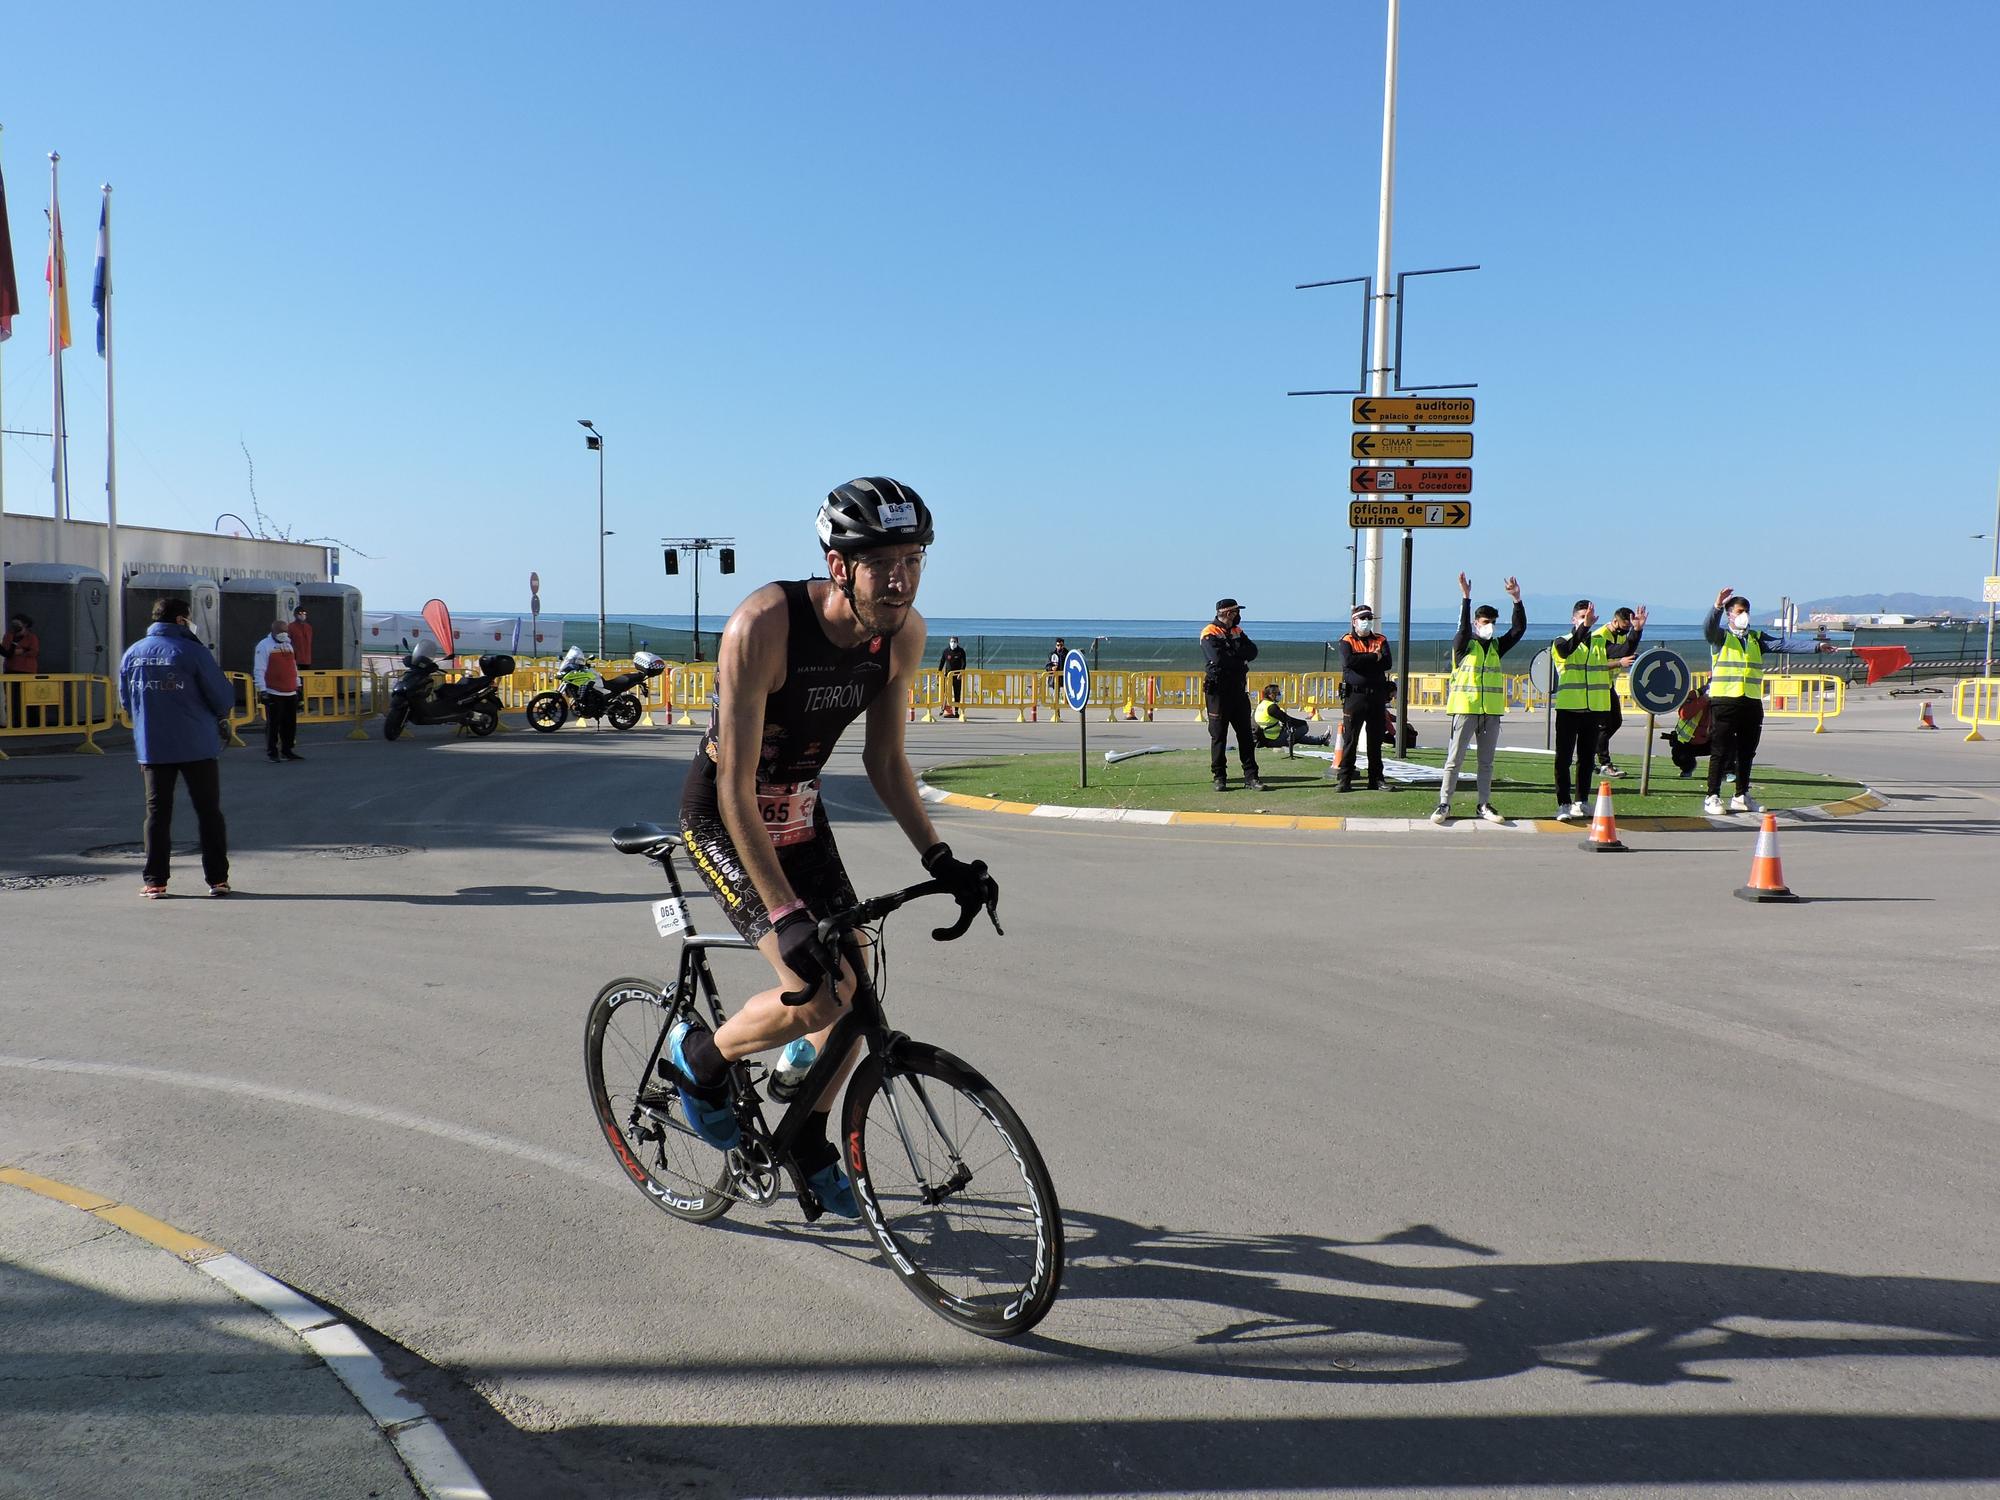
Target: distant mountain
column 1894, row 604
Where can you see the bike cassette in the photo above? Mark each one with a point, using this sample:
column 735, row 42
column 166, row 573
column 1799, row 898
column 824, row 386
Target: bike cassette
column 753, row 1173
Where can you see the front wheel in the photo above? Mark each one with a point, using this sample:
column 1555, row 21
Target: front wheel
column 624, row 711
column 547, row 712
column 954, row 1191
column 639, row 1112
column 396, row 716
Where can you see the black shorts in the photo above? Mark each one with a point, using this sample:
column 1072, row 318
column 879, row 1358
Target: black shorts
column 813, row 868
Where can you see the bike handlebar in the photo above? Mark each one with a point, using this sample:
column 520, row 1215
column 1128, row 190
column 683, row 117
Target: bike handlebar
column 836, row 927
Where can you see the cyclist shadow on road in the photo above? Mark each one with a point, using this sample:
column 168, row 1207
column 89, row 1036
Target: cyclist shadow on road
column 1297, row 1307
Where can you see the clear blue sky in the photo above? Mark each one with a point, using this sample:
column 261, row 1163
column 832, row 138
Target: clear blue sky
column 1737, row 324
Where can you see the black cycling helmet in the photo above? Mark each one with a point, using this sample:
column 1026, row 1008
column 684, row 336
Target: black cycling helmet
column 867, row 513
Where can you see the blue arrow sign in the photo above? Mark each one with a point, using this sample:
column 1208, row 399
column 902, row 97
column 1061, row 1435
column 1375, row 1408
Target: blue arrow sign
column 1076, row 681
column 1660, row 681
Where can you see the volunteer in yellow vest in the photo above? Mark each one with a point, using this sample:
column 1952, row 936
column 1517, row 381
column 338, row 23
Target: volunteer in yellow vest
column 1736, row 698
column 1621, row 638
column 1584, row 664
column 1478, row 693
column 1277, row 728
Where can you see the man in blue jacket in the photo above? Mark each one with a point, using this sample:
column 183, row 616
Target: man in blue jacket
column 171, row 686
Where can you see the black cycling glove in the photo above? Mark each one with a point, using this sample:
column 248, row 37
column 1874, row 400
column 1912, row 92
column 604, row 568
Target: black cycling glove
column 803, row 953
column 968, row 882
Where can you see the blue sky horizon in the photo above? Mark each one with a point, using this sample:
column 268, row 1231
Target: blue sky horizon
column 1734, row 324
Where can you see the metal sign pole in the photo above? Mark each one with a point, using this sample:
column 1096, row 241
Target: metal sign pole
column 1082, row 748
column 1403, row 649
column 1646, row 769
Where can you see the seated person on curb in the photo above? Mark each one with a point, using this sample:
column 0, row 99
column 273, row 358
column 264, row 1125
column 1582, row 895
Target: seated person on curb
column 1477, row 697
column 1279, row 729
column 1687, row 741
column 799, row 662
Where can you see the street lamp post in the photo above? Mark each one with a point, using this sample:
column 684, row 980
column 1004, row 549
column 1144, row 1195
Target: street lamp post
column 595, row 442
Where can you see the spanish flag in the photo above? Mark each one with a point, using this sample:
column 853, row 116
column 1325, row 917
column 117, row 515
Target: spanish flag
column 58, row 280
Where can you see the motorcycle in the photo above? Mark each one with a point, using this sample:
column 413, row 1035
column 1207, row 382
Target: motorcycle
column 585, row 693
column 422, row 696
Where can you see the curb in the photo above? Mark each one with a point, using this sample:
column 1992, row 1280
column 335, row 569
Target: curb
column 438, row 1469
column 1868, row 801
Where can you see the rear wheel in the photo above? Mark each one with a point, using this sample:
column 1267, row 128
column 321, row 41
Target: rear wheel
column 482, row 721
column 624, row 711
column 641, row 1115
column 547, row 712
column 393, row 720
column 954, row 1191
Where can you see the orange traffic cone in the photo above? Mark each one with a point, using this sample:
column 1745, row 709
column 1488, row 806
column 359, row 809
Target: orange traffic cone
column 1924, row 720
column 1603, row 825
column 1767, row 875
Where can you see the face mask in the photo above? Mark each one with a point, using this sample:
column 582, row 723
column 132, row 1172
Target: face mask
column 1484, row 630
column 1739, row 622
column 1364, row 627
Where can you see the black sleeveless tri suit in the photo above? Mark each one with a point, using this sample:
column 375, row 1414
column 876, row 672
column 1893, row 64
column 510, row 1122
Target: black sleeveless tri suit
column 826, row 688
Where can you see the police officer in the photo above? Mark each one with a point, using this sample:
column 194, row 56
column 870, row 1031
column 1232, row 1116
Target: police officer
column 1365, row 664
column 1736, row 697
column 1227, row 653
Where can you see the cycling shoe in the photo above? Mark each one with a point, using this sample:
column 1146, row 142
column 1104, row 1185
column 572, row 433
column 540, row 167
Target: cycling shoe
column 710, row 1119
column 835, row 1192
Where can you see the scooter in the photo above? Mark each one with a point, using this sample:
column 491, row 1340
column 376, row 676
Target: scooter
column 422, row 696
column 589, row 695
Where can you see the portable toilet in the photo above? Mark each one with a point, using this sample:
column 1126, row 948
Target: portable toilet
column 249, row 605
column 334, row 612
column 201, row 592
column 70, row 607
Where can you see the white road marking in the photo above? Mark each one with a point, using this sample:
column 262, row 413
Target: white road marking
column 464, row 1135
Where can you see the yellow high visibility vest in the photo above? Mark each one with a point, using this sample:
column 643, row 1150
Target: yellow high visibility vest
column 1584, row 677
column 1737, row 667
column 1476, row 684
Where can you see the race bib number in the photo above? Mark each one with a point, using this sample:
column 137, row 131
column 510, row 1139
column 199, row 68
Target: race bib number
column 787, row 811
column 671, row 916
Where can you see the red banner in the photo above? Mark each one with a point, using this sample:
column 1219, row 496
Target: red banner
column 439, row 619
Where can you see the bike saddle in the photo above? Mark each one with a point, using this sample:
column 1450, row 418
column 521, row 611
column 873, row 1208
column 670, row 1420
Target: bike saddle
column 649, row 839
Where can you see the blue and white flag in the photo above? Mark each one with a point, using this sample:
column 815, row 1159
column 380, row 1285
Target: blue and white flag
column 100, row 286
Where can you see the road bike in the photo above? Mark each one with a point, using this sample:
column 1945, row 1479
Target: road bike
column 949, row 1181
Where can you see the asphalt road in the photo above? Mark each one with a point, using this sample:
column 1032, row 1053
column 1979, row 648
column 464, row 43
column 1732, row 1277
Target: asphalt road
column 1390, row 1163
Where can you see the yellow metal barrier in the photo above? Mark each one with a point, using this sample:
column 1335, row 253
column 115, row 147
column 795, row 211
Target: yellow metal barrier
column 46, row 703
column 332, row 698
column 1804, row 696
column 693, row 686
column 243, row 710
column 1429, row 690
column 1976, row 701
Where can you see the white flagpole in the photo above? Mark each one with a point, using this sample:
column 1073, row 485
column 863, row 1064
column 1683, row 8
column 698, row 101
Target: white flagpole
column 58, row 297
column 3, row 529
column 116, row 606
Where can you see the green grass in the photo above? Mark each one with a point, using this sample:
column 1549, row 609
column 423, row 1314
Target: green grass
column 1523, row 786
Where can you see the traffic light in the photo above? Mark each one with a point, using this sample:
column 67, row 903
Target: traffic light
column 729, row 559
column 673, row 561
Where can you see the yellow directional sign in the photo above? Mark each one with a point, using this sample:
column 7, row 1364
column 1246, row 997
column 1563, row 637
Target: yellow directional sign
column 1412, row 444
column 1453, row 514
column 1414, row 411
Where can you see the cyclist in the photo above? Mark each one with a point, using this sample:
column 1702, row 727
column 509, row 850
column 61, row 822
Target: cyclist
column 799, row 662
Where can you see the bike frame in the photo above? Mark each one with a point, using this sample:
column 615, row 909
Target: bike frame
column 862, row 1020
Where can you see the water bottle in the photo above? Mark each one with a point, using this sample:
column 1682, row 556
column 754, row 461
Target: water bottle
column 792, row 1066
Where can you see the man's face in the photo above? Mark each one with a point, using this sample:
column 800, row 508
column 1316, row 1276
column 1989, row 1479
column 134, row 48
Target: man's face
column 885, row 586
column 1586, row 616
column 1230, row 617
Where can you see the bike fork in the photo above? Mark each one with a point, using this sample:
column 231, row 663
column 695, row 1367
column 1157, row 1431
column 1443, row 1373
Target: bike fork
column 960, row 1176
